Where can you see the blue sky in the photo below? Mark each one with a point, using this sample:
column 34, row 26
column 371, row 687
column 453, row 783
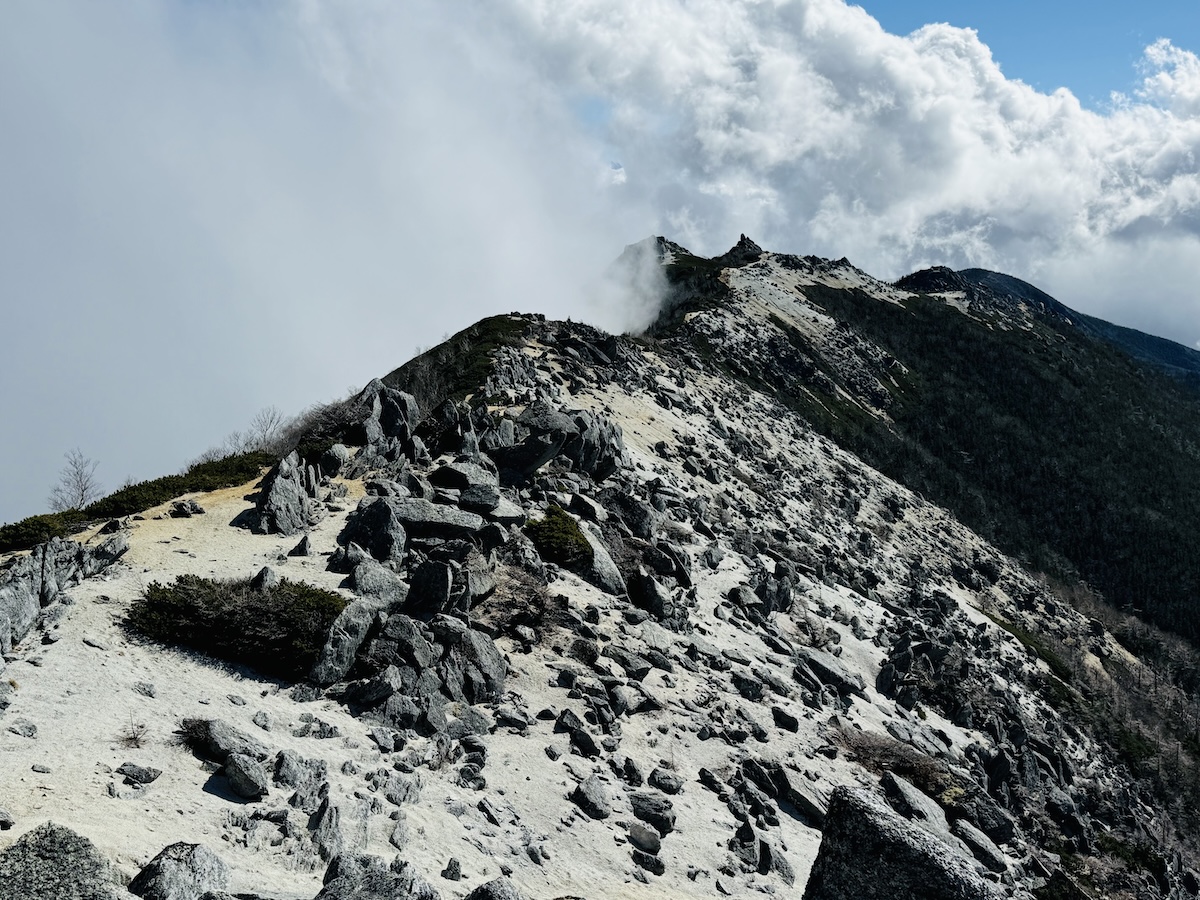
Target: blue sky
column 207, row 208
column 1092, row 48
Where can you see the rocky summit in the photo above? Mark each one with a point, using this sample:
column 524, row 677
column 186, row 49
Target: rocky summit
column 548, row 612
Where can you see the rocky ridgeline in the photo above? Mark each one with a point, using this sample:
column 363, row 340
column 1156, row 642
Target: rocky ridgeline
column 748, row 634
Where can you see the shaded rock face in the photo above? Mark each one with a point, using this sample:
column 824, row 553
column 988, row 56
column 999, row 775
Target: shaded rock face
column 37, row 580
column 868, row 851
column 54, row 863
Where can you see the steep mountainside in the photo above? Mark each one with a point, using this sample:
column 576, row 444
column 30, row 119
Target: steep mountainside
column 985, row 395
column 579, row 615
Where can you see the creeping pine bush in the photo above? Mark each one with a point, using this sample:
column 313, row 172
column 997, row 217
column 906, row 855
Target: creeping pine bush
column 559, row 539
column 278, row 631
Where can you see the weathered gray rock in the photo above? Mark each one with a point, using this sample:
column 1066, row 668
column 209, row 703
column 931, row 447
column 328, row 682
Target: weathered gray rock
column 284, row 505
column 181, row 872
column 463, row 475
column 305, row 776
column 653, row 809
column 596, row 446
column 334, row 460
column 265, row 579
column 591, row 796
column 378, row 583
column 377, row 527
column 185, row 509
column 326, row 827
column 423, row 518
column 810, row 801
column 645, row 839
column 401, row 643
column 247, row 776
column 35, row 581
column 473, row 670
column 639, row 516
column 868, row 851
column 135, row 774
column 429, row 593
column 981, row 846
column 363, row 877
column 496, row 889
column 348, row 632
column 829, row 670
column 54, row 863
column 759, row 853
column 603, row 572
column 215, row 739
column 665, row 780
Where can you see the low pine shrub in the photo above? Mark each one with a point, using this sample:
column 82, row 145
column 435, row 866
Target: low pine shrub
column 559, row 540
column 278, row 631
column 37, row 530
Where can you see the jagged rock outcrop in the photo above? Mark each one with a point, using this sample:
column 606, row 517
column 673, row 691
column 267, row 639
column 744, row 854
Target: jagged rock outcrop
column 285, row 504
column 34, row 582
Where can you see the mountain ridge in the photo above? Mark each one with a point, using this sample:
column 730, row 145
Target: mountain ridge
column 619, row 619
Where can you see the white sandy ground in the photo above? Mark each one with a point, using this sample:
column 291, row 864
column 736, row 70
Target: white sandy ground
column 82, row 697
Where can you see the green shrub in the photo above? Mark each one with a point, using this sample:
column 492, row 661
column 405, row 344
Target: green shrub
column 1134, row 747
column 278, row 631
column 38, row 529
column 1041, row 648
column 559, row 540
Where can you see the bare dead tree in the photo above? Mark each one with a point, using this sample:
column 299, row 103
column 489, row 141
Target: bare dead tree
column 77, row 485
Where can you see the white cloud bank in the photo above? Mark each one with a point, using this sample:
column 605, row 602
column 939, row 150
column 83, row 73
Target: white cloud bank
column 207, row 208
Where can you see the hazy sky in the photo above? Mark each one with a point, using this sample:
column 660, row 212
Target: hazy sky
column 210, row 207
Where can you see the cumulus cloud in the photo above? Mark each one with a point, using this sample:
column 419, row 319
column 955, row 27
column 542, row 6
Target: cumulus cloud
column 808, row 126
column 209, row 208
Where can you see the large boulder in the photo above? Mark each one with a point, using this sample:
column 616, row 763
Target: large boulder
column 54, row 863
column 473, row 670
column 591, row 796
column 496, row 889
column 284, row 501
column 181, row 872
column 376, row 527
column 216, row 739
column 816, row 667
column 596, row 446
column 361, row 877
column 868, row 852
column 346, row 636
column 422, row 518
column 247, row 776
column 602, row 572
